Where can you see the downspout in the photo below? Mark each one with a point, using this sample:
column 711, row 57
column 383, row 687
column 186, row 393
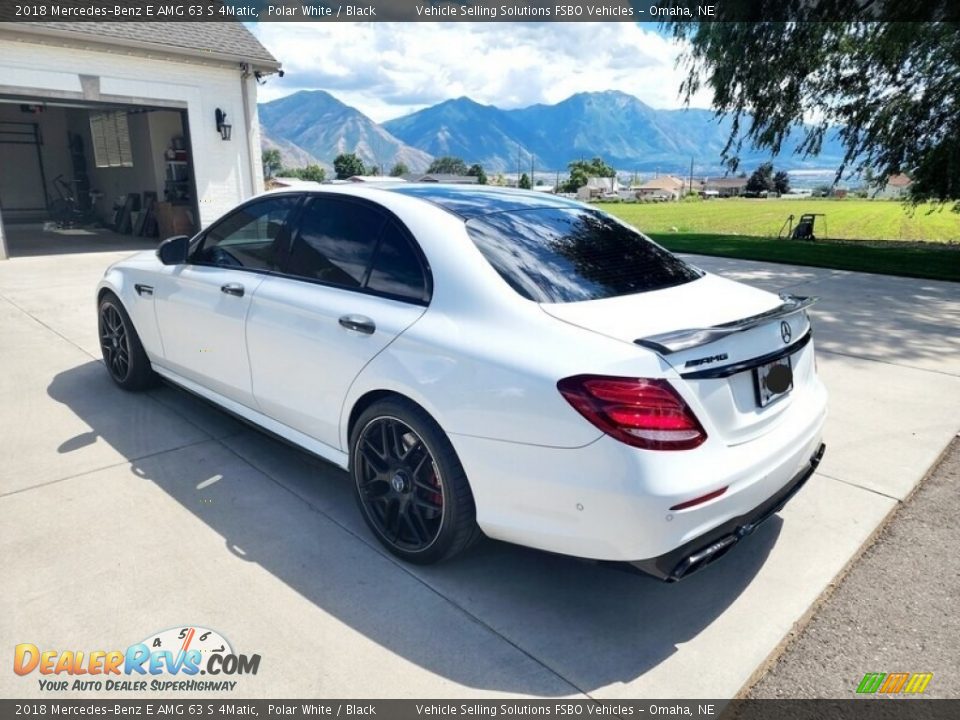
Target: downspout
column 252, row 150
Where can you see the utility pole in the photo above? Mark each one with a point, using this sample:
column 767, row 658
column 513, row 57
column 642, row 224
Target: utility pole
column 518, row 164
column 691, row 173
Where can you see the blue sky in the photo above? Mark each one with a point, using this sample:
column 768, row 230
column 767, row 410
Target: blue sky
column 391, row 69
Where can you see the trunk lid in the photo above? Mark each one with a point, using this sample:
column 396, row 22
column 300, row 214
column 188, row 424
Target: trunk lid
column 713, row 332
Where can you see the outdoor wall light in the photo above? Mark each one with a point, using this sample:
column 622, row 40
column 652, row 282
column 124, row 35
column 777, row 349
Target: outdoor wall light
column 223, row 127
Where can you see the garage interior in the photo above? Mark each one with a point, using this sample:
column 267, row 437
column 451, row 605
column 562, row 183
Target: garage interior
column 78, row 177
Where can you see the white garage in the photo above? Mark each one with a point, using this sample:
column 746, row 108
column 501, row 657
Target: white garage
column 128, row 131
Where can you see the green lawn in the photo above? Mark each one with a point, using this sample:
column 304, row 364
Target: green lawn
column 845, row 219
column 936, row 262
column 926, row 244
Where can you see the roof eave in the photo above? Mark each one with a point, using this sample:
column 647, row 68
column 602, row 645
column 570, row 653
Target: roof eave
column 260, row 64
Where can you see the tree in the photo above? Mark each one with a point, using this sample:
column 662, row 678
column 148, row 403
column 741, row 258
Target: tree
column 524, row 182
column 271, row 162
column 583, row 170
column 448, row 165
column 347, row 165
column 762, row 179
column 781, row 182
column 313, row 172
column 476, row 170
column 310, row 172
column 399, row 169
column 890, row 90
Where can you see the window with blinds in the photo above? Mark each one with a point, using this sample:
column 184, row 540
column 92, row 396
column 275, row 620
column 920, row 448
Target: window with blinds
column 111, row 139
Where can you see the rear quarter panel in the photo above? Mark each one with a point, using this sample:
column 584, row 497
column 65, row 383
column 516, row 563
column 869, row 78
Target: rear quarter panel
column 478, row 378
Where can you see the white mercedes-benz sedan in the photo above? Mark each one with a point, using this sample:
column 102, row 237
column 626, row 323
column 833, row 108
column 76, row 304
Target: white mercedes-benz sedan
column 488, row 361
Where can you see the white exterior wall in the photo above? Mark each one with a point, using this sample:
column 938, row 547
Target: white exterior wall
column 222, row 169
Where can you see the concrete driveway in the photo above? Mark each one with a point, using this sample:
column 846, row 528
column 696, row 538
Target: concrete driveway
column 122, row 515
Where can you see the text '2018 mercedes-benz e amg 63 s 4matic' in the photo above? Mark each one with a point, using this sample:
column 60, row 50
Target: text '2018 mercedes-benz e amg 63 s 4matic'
column 486, row 361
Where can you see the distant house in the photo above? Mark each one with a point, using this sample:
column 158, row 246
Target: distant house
column 373, row 179
column 598, row 187
column 441, row 178
column 665, row 187
column 897, row 186
column 277, row 182
column 723, row 187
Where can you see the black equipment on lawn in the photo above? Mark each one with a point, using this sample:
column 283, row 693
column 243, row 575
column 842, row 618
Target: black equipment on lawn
column 804, row 229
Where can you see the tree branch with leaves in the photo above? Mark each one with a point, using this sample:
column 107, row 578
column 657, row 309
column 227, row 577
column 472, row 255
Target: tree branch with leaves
column 890, row 90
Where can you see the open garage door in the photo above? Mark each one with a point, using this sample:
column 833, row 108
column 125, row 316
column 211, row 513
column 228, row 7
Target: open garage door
column 79, row 177
column 23, row 191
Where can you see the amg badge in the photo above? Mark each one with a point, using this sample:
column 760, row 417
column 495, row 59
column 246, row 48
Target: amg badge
column 704, row 360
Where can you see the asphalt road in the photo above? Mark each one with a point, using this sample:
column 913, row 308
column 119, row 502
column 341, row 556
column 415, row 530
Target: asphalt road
column 895, row 611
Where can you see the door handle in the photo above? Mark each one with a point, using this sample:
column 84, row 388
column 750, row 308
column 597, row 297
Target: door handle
column 232, row 289
column 358, row 323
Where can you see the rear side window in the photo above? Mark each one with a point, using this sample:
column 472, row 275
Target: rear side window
column 397, row 269
column 357, row 246
column 557, row 255
column 335, row 242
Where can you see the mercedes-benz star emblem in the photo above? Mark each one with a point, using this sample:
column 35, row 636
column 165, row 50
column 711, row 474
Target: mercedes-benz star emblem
column 785, row 332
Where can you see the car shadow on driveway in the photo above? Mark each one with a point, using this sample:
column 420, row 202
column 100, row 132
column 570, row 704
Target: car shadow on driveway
column 294, row 516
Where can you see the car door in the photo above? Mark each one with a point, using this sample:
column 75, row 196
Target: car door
column 355, row 280
column 202, row 306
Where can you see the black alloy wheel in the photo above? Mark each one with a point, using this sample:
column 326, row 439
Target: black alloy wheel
column 123, row 353
column 114, row 342
column 410, row 486
column 399, row 483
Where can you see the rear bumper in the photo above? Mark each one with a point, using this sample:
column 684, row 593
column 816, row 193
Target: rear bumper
column 608, row 501
column 703, row 550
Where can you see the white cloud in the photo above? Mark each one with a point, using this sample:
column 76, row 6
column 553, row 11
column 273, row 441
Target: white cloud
column 390, row 69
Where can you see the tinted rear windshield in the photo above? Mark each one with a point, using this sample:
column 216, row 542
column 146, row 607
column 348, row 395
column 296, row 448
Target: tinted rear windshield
column 561, row 255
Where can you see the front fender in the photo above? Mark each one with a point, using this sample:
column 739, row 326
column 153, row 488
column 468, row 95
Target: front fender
column 122, row 281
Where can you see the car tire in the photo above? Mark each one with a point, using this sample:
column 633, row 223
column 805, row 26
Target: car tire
column 412, row 490
column 123, row 353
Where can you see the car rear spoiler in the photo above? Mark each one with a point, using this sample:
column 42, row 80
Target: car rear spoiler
column 677, row 340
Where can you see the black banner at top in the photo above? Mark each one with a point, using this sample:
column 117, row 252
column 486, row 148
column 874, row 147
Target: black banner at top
column 478, row 10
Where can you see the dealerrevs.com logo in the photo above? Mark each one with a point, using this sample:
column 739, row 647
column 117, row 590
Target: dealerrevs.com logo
column 167, row 661
column 894, row 683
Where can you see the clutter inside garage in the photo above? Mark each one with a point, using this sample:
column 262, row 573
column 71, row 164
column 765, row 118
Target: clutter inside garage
column 101, row 175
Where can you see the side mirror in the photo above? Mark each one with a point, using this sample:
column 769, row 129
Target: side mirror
column 174, row 250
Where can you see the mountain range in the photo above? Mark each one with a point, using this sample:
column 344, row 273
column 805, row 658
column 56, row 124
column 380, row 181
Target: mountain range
column 314, row 127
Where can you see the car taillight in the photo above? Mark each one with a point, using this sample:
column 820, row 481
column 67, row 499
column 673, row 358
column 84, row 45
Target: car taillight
column 644, row 413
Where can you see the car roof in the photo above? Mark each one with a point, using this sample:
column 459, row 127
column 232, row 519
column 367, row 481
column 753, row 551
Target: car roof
column 464, row 201
column 470, row 201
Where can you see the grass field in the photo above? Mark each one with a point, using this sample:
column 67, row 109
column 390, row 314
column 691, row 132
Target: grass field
column 932, row 261
column 845, row 219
